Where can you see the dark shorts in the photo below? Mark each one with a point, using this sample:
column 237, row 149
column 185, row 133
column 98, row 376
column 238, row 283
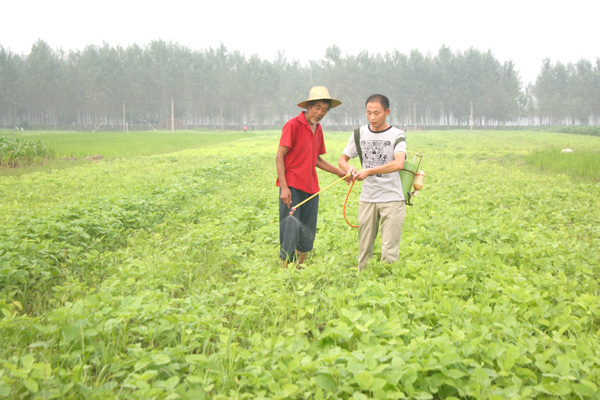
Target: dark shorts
column 297, row 232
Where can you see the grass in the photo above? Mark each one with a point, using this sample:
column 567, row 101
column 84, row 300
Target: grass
column 125, row 144
column 581, row 164
column 76, row 148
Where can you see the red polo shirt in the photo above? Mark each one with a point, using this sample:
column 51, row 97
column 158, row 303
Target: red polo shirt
column 303, row 149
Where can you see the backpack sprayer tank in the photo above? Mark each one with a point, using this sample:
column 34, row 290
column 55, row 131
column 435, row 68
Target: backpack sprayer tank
column 411, row 179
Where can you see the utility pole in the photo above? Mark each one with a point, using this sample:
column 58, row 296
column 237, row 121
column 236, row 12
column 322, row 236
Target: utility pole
column 172, row 115
column 124, row 121
column 472, row 117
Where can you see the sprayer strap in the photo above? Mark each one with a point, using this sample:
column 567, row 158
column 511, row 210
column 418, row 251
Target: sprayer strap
column 359, row 150
column 357, row 143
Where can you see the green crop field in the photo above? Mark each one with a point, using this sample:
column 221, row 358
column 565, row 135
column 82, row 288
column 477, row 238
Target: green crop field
column 68, row 148
column 155, row 276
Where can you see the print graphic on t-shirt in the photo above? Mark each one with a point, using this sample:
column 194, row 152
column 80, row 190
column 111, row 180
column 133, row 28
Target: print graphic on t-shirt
column 375, row 153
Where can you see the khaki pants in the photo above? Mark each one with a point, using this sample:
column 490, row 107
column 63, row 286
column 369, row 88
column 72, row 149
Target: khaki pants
column 391, row 215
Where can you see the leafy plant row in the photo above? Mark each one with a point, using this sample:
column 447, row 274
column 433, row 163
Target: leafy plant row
column 39, row 251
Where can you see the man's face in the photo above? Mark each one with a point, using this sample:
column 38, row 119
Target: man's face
column 376, row 115
column 316, row 112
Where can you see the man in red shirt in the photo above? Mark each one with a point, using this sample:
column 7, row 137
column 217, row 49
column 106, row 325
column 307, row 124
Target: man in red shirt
column 300, row 149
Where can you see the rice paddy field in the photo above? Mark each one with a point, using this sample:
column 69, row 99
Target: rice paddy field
column 151, row 272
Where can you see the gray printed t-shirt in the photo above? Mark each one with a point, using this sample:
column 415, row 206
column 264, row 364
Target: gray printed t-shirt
column 377, row 149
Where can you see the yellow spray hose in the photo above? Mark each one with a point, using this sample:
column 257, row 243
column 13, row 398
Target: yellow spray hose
column 322, row 190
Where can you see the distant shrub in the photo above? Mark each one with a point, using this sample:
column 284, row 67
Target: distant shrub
column 592, row 130
column 16, row 151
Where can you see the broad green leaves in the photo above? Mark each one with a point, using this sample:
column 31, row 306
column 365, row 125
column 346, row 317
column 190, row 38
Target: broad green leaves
column 161, row 280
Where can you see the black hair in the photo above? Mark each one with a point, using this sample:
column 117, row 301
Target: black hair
column 313, row 102
column 381, row 99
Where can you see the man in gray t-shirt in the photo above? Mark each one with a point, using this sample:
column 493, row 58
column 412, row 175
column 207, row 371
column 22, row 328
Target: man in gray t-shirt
column 383, row 150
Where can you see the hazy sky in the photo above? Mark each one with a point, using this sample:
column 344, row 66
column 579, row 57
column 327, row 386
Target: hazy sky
column 525, row 31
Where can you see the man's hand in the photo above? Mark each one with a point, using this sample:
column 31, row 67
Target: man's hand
column 351, row 171
column 344, row 166
column 343, row 174
column 362, row 174
column 286, row 196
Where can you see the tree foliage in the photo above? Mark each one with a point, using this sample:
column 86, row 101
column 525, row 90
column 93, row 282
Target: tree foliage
column 218, row 88
column 568, row 94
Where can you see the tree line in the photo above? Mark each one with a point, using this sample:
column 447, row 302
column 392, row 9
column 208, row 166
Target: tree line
column 108, row 88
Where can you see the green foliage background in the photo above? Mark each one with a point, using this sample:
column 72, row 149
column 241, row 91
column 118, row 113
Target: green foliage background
column 158, row 277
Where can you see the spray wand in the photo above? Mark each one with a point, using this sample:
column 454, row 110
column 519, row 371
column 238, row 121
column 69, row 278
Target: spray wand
column 322, row 190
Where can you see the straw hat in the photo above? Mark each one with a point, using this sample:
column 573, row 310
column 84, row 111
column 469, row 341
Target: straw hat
column 319, row 93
